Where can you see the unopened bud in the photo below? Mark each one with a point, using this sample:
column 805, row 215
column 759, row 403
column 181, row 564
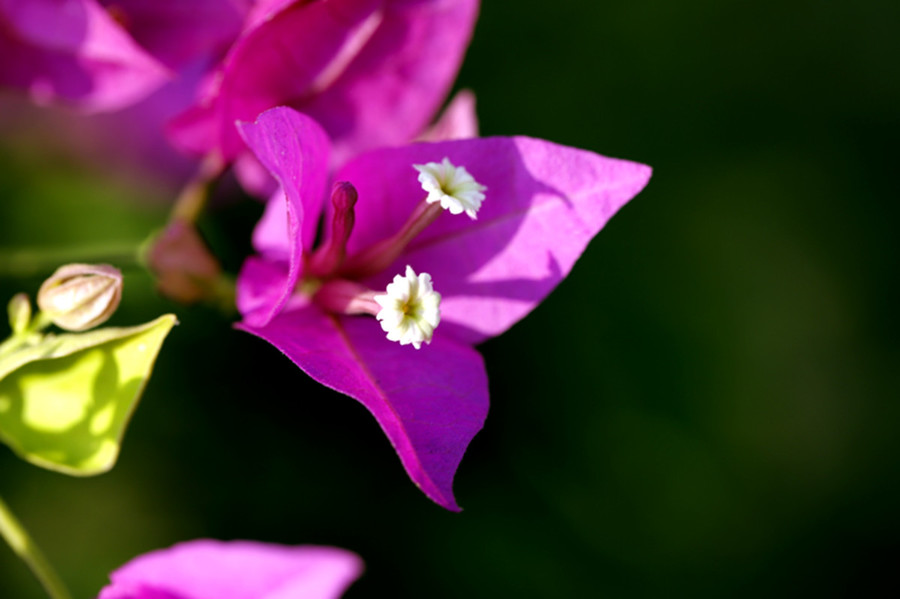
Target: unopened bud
column 19, row 309
column 78, row 297
column 185, row 269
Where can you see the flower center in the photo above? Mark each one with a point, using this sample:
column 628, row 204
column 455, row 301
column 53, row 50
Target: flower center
column 409, row 310
column 451, row 186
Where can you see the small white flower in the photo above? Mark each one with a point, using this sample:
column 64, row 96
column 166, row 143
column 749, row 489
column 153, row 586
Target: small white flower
column 410, row 309
column 452, row 186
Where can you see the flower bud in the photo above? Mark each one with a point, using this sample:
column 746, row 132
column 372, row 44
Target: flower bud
column 78, row 297
column 19, row 309
column 185, row 269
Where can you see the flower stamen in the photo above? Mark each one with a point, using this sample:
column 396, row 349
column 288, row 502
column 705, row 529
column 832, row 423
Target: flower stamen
column 341, row 296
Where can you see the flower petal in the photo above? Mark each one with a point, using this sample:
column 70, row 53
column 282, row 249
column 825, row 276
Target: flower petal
column 73, row 51
column 429, row 402
column 544, row 203
column 260, row 287
column 295, row 150
column 206, row 569
column 457, row 121
column 373, row 72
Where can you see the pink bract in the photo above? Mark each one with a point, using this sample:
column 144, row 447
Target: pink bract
column 372, row 72
column 206, row 569
column 128, row 66
column 74, row 52
column 180, row 33
column 545, row 202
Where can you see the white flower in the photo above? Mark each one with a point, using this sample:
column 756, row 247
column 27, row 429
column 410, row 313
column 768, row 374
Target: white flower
column 410, row 309
column 452, row 186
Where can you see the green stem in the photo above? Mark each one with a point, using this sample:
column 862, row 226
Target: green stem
column 30, row 335
column 192, row 200
column 31, row 262
column 17, row 537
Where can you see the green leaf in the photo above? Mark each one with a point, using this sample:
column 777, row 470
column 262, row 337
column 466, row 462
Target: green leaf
column 65, row 401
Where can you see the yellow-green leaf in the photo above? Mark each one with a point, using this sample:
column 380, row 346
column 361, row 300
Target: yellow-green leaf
column 65, row 402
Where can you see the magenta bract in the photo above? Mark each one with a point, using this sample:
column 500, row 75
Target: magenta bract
column 73, row 51
column 180, row 33
column 372, row 72
column 544, row 204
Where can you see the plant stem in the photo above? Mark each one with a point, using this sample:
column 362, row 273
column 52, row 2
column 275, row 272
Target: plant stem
column 31, row 262
column 192, row 200
column 30, row 336
column 17, row 537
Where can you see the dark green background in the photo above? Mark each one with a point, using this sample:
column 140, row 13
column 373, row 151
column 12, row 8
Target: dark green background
column 706, row 407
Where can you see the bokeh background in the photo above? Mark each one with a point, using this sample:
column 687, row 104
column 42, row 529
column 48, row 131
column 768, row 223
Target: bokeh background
column 706, row 407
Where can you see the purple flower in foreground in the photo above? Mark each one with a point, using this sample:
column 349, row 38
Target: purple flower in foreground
column 207, row 569
column 542, row 205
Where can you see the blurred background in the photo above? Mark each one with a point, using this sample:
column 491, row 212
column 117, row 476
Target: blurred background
column 720, row 422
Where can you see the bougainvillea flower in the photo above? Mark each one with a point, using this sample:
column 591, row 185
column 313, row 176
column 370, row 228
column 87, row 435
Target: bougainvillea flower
column 543, row 204
column 372, row 72
column 206, row 569
column 74, row 52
